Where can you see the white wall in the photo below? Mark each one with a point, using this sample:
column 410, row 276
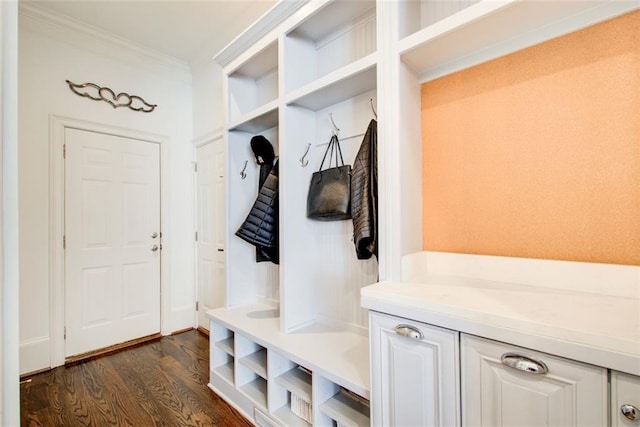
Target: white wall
column 208, row 106
column 9, row 381
column 45, row 63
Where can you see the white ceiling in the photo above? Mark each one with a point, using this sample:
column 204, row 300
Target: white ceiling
column 185, row 29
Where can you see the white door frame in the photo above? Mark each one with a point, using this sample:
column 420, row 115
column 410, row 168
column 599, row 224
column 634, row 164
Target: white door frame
column 57, row 127
column 206, row 139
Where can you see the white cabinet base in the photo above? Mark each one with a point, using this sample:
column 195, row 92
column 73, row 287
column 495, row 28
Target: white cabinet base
column 495, row 395
column 414, row 379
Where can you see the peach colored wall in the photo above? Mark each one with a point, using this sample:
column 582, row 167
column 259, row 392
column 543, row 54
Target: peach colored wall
column 537, row 154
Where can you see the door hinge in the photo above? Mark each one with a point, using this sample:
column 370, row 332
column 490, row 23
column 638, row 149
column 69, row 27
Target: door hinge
column 64, row 242
column 65, row 332
column 195, row 166
column 196, row 236
column 197, row 305
column 64, row 151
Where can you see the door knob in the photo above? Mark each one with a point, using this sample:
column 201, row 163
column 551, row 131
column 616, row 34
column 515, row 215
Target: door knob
column 154, row 248
column 630, row 412
column 154, row 235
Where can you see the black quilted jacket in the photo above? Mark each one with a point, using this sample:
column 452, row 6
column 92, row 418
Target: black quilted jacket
column 364, row 195
column 260, row 228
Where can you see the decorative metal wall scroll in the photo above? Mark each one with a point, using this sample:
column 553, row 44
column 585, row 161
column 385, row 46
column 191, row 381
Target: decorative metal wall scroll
column 98, row 93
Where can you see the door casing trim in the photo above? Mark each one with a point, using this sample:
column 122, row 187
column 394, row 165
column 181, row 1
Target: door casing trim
column 57, row 127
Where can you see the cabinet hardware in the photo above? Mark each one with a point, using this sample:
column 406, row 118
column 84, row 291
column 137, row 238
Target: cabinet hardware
column 154, row 235
column 154, row 248
column 243, row 174
column 630, row 412
column 524, row 363
column 409, row 331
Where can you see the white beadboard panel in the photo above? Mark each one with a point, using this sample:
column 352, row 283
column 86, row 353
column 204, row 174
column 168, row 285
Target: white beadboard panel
column 432, row 11
column 604, row 279
column 346, row 45
column 313, row 51
column 247, row 280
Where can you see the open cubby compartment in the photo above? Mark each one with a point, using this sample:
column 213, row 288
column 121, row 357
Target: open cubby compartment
column 338, row 34
column 252, row 356
column 221, row 345
column 290, row 398
column 251, row 370
column 248, row 282
column 321, row 276
column 337, row 406
column 254, row 83
column 415, row 15
column 483, row 30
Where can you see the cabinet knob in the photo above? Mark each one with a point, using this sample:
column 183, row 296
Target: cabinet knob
column 524, row 363
column 154, row 248
column 630, row 412
column 409, row 331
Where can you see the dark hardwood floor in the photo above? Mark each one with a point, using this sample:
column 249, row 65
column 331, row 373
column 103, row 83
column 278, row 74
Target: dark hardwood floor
column 161, row 383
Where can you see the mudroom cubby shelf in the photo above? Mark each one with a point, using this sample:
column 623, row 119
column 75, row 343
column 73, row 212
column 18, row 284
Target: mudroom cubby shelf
column 310, row 366
column 483, row 30
column 345, row 83
column 258, row 120
column 346, row 409
column 338, row 34
column 254, row 83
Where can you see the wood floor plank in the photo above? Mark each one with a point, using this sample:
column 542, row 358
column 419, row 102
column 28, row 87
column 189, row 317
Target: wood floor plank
column 161, row 383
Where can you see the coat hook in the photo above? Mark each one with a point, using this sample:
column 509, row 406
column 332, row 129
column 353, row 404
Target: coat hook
column 336, row 129
column 303, row 161
column 243, row 174
column 373, row 108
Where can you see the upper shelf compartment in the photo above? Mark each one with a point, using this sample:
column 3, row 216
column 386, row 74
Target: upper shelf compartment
column 437, row 44
column 254, row 84
column 339, row 34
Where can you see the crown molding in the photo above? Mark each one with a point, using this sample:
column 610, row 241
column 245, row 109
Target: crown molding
column 43, row 21
column 270, row 20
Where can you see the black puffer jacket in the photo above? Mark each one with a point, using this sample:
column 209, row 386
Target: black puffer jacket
column 364, row 195
column 260, row 228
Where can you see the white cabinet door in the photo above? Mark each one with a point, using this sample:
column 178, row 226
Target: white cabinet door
column 415, row 373
column 494, row 394
column 625, row 400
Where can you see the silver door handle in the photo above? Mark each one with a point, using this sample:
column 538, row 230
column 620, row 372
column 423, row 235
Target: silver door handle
column 154, row 235
column 630, row 412
column 409, row 331
column 524, row 363
column 154, row 248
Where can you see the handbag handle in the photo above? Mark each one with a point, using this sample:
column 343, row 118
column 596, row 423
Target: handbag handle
column 336, row 142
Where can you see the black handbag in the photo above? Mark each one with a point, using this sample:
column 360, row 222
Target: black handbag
column 329, row 197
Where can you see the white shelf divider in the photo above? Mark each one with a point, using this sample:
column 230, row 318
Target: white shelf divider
column 257, row 362
column 346, row 410
column 256, row 390
column 225, row 372
column 262, row 118
column 297, row 381
column 344, row 83
column 490, row 29
column 226, row 345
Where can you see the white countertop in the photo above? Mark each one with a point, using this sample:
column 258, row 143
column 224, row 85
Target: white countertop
column 599, row 329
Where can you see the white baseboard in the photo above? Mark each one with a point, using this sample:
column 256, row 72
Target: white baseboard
column 34, row 355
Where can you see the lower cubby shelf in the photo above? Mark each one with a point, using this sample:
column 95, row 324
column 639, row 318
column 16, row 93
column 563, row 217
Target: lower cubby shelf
column 346, row 410
column 256, row 390
column 225, row 372
column 296, row 379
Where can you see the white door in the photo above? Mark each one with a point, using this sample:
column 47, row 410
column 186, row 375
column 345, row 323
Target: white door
column 497, row 395
column 210, row 228
column 112, row 235
column 415, row 374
